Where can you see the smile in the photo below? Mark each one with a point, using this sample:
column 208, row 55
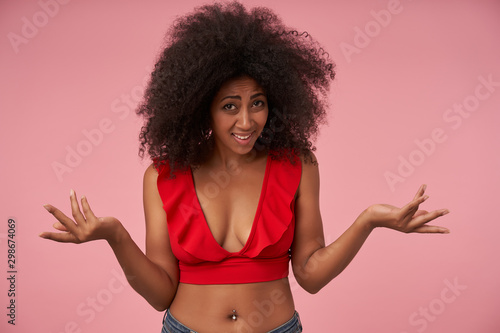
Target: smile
column 242, row 137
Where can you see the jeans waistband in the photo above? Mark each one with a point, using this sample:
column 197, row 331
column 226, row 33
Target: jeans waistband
column 172, row 325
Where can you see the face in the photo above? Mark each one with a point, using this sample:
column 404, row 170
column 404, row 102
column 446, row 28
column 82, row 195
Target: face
column 238, row 114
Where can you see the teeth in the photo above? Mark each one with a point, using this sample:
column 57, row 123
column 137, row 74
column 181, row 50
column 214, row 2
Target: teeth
column 242, row 137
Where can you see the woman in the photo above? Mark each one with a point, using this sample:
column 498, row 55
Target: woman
column 233, row 191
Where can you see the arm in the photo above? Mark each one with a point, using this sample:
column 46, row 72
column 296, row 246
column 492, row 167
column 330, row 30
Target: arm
column 153, row 275
column 314, row 264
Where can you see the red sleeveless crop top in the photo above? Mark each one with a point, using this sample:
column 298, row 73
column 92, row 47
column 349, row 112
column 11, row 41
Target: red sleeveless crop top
column 265, row 255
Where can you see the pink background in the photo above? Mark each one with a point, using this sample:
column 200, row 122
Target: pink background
column 82, row 67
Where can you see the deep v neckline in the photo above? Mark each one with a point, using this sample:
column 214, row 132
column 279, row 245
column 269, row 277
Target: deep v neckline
column 255, row 219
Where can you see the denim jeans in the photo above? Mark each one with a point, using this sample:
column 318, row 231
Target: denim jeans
column 172, row 325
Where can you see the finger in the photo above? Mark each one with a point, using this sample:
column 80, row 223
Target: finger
column 86, row 209
column 68, row 223
column 59, row 226
column 420, row 191
column 411, row 208
column 425, row 218
column 75, row 208
column 431, row 229
column 420, row 212
column 417, row 200
column 62, row 237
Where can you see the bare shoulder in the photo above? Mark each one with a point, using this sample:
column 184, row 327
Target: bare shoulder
column 309, row 160
column 310, row 165
column 150, row 179
column 151, row 196
column 309, row 182
column 150, row 173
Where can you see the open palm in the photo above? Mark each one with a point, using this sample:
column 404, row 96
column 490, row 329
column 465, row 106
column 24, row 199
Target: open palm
column 407, row 218
column 84, row 226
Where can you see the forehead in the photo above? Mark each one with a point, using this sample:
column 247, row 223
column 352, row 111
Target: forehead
column 237, row 86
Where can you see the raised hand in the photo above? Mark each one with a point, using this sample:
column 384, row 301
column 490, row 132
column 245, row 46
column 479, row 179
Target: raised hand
column 85, row 226
column 408, row 218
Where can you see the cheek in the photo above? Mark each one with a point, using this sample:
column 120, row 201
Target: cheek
column 222, row 123
column 263, row 118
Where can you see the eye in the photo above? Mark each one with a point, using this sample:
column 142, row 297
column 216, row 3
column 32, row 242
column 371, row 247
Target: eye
column 258, row 103
column 229, row 107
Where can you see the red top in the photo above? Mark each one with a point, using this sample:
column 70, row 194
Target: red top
column 265, row 256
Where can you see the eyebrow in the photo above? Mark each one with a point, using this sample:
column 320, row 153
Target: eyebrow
column 239, row 97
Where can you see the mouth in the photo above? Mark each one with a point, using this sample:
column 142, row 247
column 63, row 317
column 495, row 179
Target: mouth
column 242, row 138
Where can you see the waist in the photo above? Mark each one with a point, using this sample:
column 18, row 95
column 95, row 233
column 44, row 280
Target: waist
column 258, row 306
column 235, row 270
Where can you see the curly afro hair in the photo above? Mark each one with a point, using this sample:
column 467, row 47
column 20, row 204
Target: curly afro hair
column 222, row 41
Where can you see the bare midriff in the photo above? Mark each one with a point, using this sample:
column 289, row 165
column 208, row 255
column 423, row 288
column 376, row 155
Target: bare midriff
column 259, row 307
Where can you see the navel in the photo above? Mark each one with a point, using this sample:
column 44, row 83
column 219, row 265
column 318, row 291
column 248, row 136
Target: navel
column 233, row 316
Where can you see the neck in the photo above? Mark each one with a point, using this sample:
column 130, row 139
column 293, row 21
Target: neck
column 231, row 160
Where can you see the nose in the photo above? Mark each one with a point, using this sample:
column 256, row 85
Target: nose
column 244, row 119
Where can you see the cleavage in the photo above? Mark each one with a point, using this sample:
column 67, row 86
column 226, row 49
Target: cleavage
column 229, row 210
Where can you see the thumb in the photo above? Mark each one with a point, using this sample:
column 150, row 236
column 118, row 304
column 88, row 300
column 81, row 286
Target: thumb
column 107, row 219
column 420, row 212
column 59, row 226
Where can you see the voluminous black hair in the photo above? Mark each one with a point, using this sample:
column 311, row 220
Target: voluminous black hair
column 222, row 41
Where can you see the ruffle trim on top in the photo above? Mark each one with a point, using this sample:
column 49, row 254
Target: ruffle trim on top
column 191, row 239
column 276, row 220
